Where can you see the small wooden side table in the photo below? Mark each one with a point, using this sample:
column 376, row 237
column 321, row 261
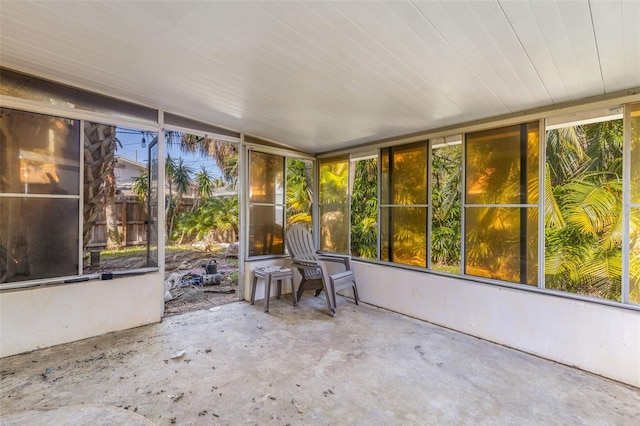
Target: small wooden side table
column 269, row 275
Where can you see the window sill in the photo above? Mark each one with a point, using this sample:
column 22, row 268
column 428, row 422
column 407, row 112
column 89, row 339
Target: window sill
column 103, row 276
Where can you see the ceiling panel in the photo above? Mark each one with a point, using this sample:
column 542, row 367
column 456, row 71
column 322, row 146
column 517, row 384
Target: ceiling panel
column 617, row 29
column 527, row 28
column 568, row 31
column 324, row 75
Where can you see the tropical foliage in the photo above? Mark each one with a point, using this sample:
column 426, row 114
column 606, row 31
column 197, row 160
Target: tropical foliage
column 334, row 221
column 225, row 154
column 634, row 220
column 583, row 209
column 214, row 218
column 205, row 216
column 403, row 215
column 364, row 209
column 178, row 177
column 501, row 232
column 299, row 192
column 446, row 187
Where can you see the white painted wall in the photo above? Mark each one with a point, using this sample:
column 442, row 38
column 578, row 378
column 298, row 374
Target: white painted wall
column 45, row 316
column 598, row 338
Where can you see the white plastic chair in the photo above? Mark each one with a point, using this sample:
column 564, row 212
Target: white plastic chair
column 310, row 264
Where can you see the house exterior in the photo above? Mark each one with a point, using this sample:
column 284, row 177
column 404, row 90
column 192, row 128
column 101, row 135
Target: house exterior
column 126, row 170
column 493, row 82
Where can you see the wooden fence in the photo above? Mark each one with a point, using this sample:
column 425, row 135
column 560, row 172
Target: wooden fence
column 130, row 216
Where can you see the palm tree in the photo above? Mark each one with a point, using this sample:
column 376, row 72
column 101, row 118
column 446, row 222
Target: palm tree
column 225, row 154
column 205, row 183
column 178, row 178
column 140, row 186
column 583, row 209
column 299, row 192
column 99, row 189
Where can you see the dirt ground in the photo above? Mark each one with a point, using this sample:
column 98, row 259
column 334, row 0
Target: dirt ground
column 180, row 264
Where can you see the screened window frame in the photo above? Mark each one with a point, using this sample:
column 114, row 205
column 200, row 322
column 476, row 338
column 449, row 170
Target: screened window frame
column 588, row 115
column 286, row 155
column 432, row 142
column 540, row 117
column 627, row 204
column 318, row 210
column 353, row 159
column 82, row 117
column 523, row 206
column 391, row 206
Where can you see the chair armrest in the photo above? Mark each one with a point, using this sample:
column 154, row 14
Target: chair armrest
column 337, row 258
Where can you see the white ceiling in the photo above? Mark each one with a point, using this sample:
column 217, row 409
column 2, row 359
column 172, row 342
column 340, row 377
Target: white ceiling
column 325, row 75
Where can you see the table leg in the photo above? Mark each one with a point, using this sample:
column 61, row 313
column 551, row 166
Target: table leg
column 267, row 291
column 253, row 288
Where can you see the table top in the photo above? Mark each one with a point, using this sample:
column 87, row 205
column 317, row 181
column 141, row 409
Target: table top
column 273, row 270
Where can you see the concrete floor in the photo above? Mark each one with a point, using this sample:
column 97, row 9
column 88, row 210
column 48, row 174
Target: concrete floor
column 299, row 366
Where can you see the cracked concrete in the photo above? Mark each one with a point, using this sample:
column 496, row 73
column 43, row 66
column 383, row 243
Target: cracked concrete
column 299, row 366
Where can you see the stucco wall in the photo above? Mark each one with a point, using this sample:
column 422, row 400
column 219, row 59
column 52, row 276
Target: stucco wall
column 46, row 316
column 598, row 338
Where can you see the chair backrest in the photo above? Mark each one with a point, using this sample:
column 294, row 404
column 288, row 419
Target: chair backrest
column 299, row 242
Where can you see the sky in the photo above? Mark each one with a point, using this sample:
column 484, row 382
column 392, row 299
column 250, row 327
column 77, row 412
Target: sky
column 131, row 141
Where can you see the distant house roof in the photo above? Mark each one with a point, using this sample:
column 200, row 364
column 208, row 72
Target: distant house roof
column 126, row 171
column 127, row 162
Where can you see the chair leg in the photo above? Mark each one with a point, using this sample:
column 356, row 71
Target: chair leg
column 331, row 297
column 293, row 293
column 330, row 303
column 300, row 291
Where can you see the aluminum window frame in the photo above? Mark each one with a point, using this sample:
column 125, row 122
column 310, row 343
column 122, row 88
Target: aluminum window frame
column 82, row 117
column 353, row 159
column 318, row 204
column 433, row 144
column 427, row 145
column 245, row 219
column 626, row 99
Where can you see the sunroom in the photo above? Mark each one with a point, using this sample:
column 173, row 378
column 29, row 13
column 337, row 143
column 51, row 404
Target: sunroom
column 479, row 161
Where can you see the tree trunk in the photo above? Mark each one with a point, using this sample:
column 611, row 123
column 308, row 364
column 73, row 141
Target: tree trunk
column 113, row 235
column 99, row 151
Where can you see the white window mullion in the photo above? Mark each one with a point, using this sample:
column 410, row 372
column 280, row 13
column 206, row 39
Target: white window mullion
column 463, row 206
column 626, row 201
column 81, row 202
column 542, row 176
